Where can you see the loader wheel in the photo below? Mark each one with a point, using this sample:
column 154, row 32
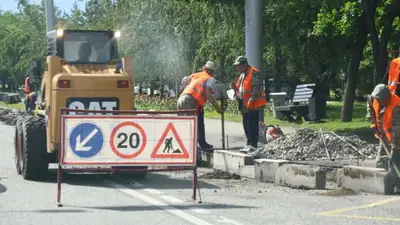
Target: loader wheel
column 35, row 158
column 18, row 144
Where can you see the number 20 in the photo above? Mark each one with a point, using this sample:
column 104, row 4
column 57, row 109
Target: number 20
column 125, row 138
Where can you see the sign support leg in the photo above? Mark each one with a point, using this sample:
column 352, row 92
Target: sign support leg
column 194, row 183
column 59, row 177
column 223, row 124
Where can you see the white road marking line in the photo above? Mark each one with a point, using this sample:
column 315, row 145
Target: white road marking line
column 152, row 191
column 172, row 199
column 178, row 201
column 223, row 219
column 200, row 210
column 177, row 212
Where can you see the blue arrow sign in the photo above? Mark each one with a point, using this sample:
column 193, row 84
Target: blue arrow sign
column 86, row 140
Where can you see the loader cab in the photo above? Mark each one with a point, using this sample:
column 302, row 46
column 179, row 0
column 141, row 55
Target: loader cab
column 83, row 47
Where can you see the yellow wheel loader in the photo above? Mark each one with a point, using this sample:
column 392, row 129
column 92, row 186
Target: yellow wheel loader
column 82, row 71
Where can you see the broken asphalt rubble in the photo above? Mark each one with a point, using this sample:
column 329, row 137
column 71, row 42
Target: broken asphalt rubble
column 308, row 144
column 9, row 116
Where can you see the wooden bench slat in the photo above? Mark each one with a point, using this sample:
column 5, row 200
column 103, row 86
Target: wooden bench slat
column 304, row 90
column 303, row 95
column 282, row 108
column 300, row 100
column 305, row 85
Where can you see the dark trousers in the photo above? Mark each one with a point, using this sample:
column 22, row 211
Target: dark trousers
column 201, row 132
column 251, row 127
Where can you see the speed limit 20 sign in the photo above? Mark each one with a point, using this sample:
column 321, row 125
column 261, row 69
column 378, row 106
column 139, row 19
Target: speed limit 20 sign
column 128, row 140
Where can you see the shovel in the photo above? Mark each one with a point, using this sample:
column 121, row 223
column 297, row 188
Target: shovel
column 385, row 144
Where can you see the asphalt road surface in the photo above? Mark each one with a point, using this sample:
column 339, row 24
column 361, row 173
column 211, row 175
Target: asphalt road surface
column 164, row 198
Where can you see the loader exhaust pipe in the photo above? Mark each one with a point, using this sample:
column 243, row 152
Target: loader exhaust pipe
column 50, row 15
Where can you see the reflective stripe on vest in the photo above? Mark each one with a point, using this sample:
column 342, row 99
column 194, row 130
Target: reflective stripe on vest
column 258, row 100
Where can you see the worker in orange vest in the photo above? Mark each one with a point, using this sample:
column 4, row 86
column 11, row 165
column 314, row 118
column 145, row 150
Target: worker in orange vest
column 251, row 99
column 31, row 96
column 384, row 104
column 198, row 88
column 393, row 81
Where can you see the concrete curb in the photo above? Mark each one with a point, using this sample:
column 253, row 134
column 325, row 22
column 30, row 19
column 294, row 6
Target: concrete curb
column 234, row 162
column 358, row 178
column 265, row 169
column 301, row 176
column 281, row 172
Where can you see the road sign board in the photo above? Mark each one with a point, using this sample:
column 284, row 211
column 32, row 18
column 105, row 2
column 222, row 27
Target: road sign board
column 167, row 141
column 129, row 140
column 86, row 140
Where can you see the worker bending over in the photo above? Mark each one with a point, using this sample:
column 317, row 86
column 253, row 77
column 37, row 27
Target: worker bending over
column 385, row 103
column 372, row 106
column 251, row 99
column 199, row 87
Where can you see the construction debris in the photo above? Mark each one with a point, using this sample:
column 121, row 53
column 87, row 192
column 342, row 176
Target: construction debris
column 308, row 144
column 9, row 116
column 220, row 174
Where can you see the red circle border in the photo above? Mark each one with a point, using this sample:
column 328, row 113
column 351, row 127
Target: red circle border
column 114, row 131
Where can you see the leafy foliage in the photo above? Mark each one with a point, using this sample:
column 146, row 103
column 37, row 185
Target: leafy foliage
column 310, row 41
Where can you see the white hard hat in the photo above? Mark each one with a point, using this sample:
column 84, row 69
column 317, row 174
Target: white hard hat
column 210, row 65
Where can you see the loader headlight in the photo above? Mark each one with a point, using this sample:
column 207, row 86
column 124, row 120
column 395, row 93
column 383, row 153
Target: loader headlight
column 117, row 34
column 59, row 33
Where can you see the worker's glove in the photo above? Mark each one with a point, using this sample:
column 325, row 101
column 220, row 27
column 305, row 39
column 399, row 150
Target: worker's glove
column 374, row 130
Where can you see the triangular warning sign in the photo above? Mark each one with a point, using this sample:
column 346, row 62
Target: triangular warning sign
column 165, row 148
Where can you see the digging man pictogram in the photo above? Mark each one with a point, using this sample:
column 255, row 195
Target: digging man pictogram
column 168, row 146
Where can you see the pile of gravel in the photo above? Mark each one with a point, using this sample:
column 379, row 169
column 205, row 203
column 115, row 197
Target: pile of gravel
column 9, row 116
column 308, row 144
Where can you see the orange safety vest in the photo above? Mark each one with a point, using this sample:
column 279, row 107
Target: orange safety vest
column 384, row 123
column 259, row 101
column 199, row 74
column 26, row 88
column 197, row 87
column 394, row 72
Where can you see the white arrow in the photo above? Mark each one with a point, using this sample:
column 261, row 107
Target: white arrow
column 80, row 146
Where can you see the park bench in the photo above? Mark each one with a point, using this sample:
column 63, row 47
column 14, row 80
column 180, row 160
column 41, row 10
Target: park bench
column 299, row 104
column 13, row 98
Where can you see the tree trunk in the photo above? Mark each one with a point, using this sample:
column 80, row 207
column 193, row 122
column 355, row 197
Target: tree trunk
column 353, row 70
column 161, row 83
column 278, row 68
column 379, row 44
